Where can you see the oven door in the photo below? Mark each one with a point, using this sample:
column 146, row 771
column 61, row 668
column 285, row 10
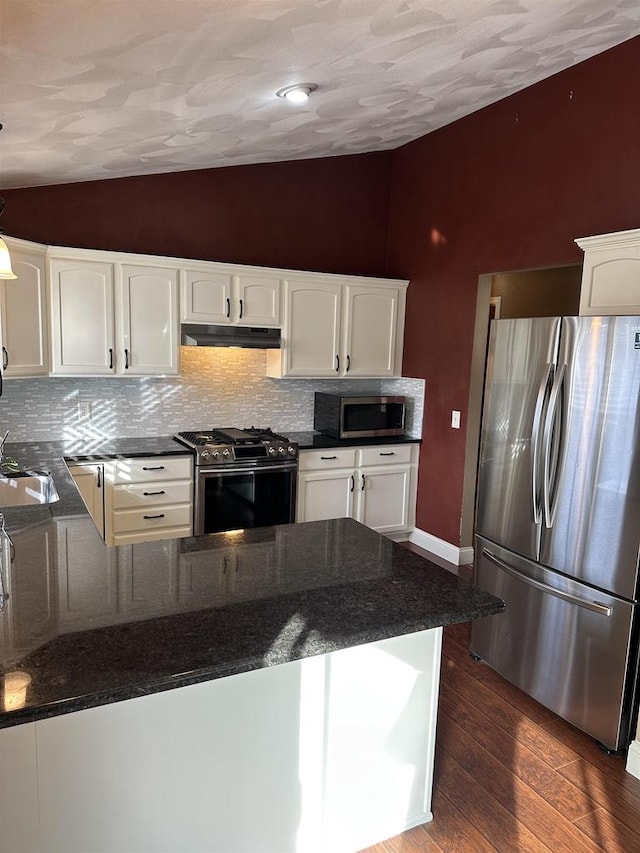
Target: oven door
column 240, row 497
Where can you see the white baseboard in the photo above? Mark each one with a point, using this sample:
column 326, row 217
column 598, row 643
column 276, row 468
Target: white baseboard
column 451, row 553
column 633, row 759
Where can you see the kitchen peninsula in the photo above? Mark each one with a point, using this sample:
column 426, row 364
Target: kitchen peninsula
column 279, row 693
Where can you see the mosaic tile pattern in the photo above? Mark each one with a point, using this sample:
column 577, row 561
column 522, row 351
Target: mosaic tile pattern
column 218, row 387
column 102, row 89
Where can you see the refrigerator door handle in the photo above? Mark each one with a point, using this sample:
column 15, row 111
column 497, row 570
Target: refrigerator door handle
column 535, row 442
column 595, row 606
column 547, row 442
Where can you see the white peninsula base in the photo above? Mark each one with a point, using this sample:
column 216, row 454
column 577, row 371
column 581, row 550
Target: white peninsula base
column 327, row 754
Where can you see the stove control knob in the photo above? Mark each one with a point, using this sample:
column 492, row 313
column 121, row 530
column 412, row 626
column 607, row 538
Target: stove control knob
column 272, row 451
column 282, row 450
column 215, row 454
column 205, row 454
column 291, row 450
column 226, row 453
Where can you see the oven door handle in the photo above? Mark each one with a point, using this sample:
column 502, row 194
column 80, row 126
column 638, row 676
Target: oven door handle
column 287, row 466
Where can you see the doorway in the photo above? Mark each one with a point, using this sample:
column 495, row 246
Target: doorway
column 544, row 292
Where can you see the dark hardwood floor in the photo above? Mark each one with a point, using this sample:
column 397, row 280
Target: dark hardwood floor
column 511, row 776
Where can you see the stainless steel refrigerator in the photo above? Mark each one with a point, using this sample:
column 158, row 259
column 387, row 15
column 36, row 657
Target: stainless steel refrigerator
column 558, row 516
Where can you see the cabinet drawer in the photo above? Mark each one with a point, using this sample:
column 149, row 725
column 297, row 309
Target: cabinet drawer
column 151, row 494
column 318, row 460
column 151, row 518
column 152, row 468
column 396, row 454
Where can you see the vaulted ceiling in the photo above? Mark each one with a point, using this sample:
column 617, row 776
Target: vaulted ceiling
column 95, row 89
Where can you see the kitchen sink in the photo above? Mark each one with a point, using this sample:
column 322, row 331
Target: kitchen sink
column 25, row 488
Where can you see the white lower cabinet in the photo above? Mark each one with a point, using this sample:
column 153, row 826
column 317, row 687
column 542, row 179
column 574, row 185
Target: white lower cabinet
column 374, row 485
column 89, row 479
column 148, row 498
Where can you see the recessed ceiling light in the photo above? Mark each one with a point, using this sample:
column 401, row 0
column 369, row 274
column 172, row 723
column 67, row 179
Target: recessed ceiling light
column 298, row 93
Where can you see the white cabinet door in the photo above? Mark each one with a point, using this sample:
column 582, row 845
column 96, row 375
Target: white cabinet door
column 611, row 274
column 206, row 296
column 148, row 338
column 258, row 300
column 312, row 345
column 325, row 494
column 82, row 317
column 23, row 315
column 370, row 326
column 89, row 479
column 228, row 296
column 383, row 498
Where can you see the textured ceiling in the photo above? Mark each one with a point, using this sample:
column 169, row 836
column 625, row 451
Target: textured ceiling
column 106, row 88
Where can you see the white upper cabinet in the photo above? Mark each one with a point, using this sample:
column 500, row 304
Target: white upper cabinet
column 340, row 327
column 220, row 294
column 371, row 330
column 611, row 273
column 23, row 312
column 312, row 329
column 82, row 317
column 109, row 317
column 148, row 311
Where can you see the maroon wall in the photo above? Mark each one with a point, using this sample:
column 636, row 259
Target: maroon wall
column 329, row 214
column 509, row 187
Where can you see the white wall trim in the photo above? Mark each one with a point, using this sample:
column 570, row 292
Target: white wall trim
column 451, row 553
column 633, row 759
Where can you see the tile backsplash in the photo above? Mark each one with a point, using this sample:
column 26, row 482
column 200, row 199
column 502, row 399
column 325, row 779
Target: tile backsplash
column 218, row 387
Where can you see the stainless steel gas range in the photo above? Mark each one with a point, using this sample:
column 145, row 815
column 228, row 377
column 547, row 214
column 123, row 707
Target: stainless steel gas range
column 244, row 478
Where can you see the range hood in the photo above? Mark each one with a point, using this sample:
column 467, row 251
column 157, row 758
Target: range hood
column 251, row 337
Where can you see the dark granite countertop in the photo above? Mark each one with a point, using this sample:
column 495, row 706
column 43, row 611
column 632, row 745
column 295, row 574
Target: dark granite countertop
column 86, row 624
column 312, row 440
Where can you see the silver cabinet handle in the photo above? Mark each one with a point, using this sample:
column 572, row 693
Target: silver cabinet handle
column 595, row 606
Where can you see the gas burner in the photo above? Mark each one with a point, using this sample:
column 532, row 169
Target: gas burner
column 228, row 444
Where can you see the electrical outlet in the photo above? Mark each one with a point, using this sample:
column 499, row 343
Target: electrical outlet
column 84, row 410
column 455, row 419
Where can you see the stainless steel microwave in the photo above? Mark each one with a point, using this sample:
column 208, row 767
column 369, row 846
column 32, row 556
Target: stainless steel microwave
column 358, row 416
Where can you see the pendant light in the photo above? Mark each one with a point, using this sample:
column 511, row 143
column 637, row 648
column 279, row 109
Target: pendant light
column 5, row 259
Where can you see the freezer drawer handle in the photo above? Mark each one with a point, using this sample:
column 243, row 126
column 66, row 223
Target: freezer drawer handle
column 603, row 609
